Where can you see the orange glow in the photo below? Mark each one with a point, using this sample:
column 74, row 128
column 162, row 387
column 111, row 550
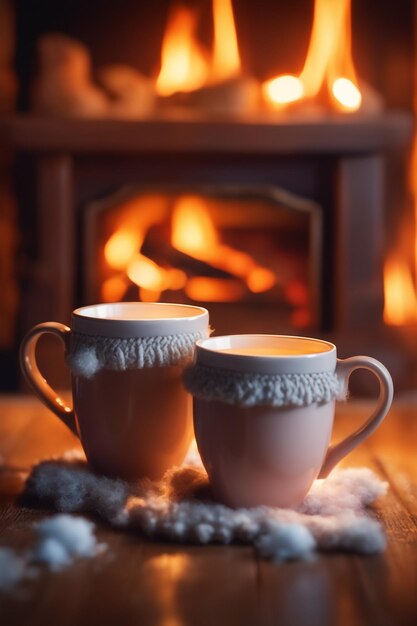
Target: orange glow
column 176, row 279
column 226, row 60
column 400, row 306
column 194, row 233
column 206, row 289
column 283, row 90
column 347, row 94
column 113, row 289
column 149, row 295
column 121, row 247
column 261, row 279
column 146, row 273
column 184, row 65
column 328, row 64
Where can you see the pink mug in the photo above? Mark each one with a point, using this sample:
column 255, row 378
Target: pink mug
column 263, row 414
column 130, row 409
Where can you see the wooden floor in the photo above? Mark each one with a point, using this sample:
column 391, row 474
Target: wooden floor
column 146, row 583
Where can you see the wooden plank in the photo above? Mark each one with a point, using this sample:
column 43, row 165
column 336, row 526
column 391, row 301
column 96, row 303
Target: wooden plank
column 149, row 583
column 260, row 134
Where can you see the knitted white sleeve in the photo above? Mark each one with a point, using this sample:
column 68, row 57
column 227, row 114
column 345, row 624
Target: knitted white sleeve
column 248, row 389
column 89, row 354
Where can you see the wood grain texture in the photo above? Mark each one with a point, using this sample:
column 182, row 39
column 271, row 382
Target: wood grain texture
column 137, row 582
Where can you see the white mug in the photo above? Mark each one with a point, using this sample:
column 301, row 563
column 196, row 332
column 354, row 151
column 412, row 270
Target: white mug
column 263, row 414
column 130, row 409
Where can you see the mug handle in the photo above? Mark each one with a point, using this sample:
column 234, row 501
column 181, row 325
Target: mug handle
column 344, row 369
column 34, row 377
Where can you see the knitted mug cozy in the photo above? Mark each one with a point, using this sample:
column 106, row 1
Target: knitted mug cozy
column 251, row 389
column 89, row 354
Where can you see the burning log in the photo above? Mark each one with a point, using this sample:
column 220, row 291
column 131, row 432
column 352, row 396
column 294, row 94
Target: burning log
column 235, row 96
column 132, row 94
column 166, row 255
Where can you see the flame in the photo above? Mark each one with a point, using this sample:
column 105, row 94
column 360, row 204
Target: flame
column 184, row 66
column 146, row 273
column 400, row 306
column 226, row 59
column 207, row 289
column 194, row 233
column 328, row 64
column 283, row 89
column 113, row 289
column 121, row 247
column 347, row 94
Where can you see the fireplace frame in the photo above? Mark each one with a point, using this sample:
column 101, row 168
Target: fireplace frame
column 353, row 147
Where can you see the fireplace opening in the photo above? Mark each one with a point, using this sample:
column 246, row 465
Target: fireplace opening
column 248, row 254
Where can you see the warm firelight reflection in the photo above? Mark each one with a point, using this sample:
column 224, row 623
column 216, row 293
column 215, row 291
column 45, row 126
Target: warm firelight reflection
column 184, row 65
column 328, row 65
column 226, row 59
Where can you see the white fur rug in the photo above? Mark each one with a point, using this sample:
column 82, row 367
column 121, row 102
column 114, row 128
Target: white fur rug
column 335, row 514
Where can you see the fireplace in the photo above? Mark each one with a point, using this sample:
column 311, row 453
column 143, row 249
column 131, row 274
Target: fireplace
column 298, row 187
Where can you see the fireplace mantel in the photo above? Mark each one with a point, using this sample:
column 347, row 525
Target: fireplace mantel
column 337, row 161
column 264, row 134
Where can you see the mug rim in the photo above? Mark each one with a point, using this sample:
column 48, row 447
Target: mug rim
column 207, row 353
column 87, row 319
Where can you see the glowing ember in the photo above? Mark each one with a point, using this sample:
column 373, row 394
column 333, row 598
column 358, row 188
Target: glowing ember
column 226, row 60
column 347, row 94
column 184, row 66
column 113, row 289
column 283, row 90
column 206, row 289
column 146, row 273
column 261, row 279
column 328, row 64
column 121, row 247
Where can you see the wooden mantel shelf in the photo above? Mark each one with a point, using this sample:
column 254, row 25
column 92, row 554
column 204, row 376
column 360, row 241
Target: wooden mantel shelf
column 332, row 134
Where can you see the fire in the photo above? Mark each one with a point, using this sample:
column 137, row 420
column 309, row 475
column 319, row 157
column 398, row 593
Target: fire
column 121, row 247
column 206, row 289
column 146, row 273
column 184, row 65
column 283, row 89
column 328, row 65
column 226, row 59
column 194, row 233
column 400, row 307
